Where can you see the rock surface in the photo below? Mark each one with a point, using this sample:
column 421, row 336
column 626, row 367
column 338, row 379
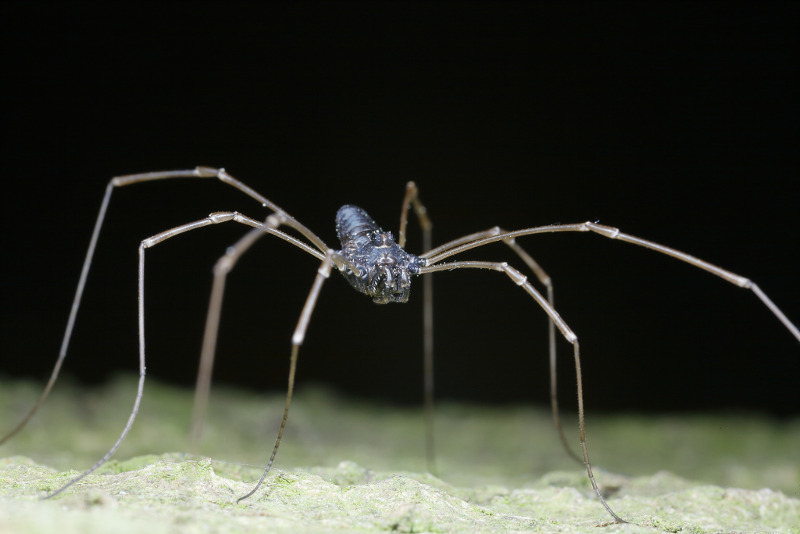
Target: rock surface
column 358, row 466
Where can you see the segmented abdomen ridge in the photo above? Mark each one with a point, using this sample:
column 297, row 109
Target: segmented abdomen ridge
column 353, row 222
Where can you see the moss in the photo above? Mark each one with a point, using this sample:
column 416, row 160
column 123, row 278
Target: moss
column 350, row 466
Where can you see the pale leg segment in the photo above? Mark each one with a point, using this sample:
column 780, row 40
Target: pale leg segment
column 223, row 176
column 121, row 181
column 299, row 335
column 551, row 338
column 214, row 218
column 546, row 281
column 437, row 255
column 221, row 269
column 521, row 280
column 412, row 199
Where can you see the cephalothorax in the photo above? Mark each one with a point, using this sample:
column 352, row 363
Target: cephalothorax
column 384, row 268
column 375, row 265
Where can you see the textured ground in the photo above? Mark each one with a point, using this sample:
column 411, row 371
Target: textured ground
column 358, row 466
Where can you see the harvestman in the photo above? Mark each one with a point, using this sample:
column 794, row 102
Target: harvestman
column 375, row 265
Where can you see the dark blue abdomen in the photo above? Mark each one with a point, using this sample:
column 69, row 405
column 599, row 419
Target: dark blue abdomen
column 353, row 223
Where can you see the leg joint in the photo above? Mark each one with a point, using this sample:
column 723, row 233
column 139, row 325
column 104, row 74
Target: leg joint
column 514, row 274
column 208, row 172
column 607, row 231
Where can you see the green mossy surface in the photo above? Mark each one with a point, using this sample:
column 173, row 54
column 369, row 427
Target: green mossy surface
column 359, row 467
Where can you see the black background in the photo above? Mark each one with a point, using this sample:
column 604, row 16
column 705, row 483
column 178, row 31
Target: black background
column 677, row 122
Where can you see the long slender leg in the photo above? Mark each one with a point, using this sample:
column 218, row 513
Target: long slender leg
column 551, row 338
column 121, row 181
column 76, row 303
column 299, row 335
column 214, row 218
column 522, row 281
column 207, row 352
column 434, row 257
column 412, row 199
column 221, row 269
column 223, row 176
column 412, row 196
column 437, row 255
column 546, row 281
column 483, row 238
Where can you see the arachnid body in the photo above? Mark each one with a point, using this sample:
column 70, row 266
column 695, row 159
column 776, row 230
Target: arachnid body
column 374, row 263
column 383, row 269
